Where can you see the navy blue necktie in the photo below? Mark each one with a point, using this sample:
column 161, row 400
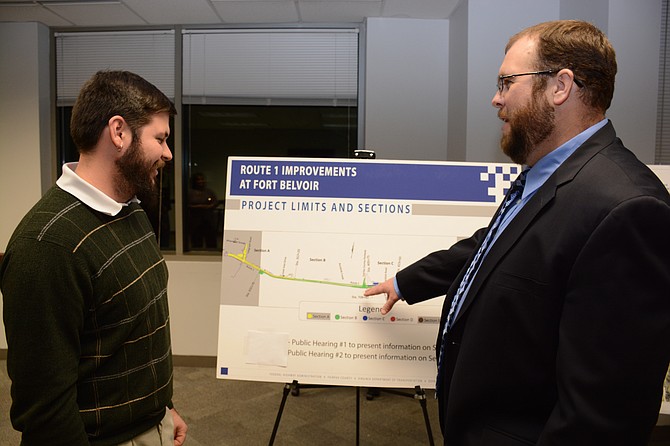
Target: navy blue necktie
column 514, row 193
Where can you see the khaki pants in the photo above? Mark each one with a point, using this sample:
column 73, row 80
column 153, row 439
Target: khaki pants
column 160, row 435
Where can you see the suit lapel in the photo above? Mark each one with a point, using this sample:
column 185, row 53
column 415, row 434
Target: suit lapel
column 543, row 196
column 506, row 241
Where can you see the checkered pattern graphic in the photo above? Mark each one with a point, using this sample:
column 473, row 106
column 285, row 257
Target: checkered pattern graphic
column 501, row 177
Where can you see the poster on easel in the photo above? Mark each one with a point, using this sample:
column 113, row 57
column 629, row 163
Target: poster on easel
column 303, row 238
column 662, row 171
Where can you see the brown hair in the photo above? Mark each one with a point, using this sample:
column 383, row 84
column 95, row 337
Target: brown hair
column 111, row 93
column 581, row 47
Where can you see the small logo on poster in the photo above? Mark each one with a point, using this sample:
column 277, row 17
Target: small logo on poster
column 501, row 176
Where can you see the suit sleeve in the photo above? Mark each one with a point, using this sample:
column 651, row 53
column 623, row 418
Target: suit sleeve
column 614, row 335
column 43, row 314
column 433, row 275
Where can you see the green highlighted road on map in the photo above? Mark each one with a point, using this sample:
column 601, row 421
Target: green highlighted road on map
column 242, row 258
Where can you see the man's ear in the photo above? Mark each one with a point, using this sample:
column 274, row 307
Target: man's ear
column 565, row 86
column 119, row 132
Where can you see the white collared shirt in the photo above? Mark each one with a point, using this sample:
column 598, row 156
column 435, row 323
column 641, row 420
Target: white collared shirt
column 88, row 194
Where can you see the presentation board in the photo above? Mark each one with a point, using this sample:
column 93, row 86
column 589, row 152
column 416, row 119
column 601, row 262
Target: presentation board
column 663, row 172
column 303, row 238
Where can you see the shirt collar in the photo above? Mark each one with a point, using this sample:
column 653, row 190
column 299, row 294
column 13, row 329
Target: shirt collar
column 548, row 164
column 87, row 193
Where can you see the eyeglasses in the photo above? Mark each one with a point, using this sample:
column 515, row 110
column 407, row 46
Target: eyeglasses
column 503, row 85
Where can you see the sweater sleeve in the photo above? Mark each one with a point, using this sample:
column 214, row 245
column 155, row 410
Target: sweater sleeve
column 43, row 296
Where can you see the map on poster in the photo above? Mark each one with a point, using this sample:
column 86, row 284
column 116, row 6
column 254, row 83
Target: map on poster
column 303, row 239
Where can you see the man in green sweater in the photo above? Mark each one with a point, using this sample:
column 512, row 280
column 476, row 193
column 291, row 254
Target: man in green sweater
column 84, row 284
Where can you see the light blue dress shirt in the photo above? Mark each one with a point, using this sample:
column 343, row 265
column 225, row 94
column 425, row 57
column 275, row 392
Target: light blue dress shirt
column 535, row 178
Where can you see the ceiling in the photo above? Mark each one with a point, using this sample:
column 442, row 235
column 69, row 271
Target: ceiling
column 122, row 13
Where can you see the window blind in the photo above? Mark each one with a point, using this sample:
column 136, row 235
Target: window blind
column 663, row 113
column 294, row 67
column 79, row 55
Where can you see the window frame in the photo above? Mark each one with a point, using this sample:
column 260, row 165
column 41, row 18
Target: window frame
column 178, row 131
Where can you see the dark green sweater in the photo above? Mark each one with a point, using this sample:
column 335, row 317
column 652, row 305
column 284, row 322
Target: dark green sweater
column 87, row 324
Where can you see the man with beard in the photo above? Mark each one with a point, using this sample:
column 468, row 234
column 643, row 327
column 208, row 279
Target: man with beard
column 84, row 284
column 560, row 335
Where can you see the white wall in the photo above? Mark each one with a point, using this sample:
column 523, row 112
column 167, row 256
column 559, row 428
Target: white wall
column 401, row 121
column 490, row 25
column 24, row 124
column 635, row 29
column 24, row 119
column 194, row 291
column 458, row 84
column 406, row 71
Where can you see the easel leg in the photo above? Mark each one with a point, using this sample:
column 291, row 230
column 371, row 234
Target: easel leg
column 421, row 396
column 294, row 388
column 287, row 389
column 358, row 414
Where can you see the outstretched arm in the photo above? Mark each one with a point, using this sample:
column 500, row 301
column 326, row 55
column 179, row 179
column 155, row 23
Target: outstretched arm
column 429, row 277
column 388, row 288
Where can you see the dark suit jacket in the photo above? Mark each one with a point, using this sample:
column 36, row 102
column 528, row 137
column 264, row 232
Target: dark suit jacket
column 564, row 338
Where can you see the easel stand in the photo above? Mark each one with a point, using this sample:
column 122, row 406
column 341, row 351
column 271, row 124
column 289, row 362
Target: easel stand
column 294, row 389
column 418, row 394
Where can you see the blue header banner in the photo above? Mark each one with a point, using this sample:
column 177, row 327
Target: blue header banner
column 369, row 179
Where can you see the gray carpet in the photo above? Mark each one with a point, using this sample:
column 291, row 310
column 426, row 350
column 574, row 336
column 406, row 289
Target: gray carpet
column 227, row 413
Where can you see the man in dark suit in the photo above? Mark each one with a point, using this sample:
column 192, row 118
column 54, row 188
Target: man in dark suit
column 561, row 334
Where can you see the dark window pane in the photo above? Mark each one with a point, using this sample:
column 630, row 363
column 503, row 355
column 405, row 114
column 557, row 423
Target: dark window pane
column 67, row 152
column 212, row 133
